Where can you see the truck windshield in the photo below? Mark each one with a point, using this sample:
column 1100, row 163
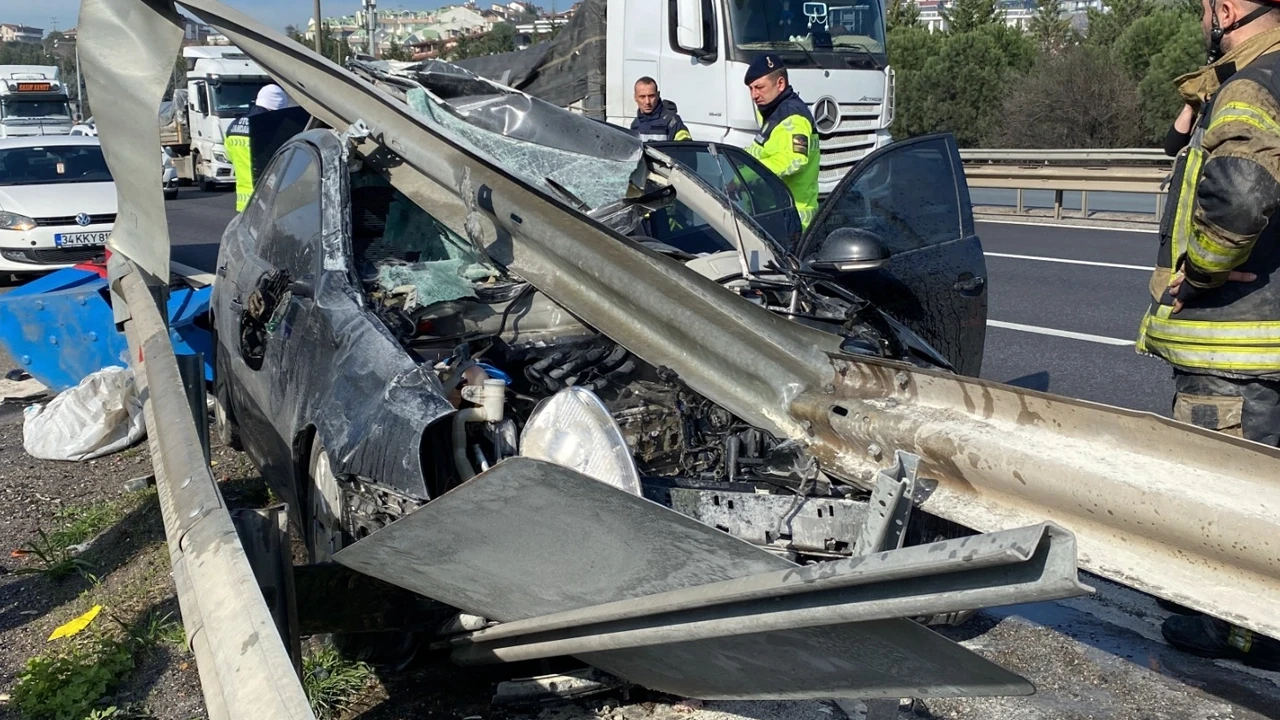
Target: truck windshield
column 14, row 108
column 842, row 34
column 53, row 165
column 232, row 99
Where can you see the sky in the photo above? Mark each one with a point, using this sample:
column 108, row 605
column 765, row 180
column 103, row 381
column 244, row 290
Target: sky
column 276, row 13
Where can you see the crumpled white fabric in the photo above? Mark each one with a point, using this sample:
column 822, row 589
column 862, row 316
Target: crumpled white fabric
column 101, row 415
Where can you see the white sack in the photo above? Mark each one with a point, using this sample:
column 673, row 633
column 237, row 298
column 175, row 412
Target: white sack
column 101, row 415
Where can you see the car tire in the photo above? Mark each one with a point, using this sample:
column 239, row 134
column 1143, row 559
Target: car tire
column 325, row 536
column 171, row 194
column 225, row 428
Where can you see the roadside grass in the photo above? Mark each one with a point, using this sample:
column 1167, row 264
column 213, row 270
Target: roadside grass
column 72, row 681
column 57, row 553
column 334, row 684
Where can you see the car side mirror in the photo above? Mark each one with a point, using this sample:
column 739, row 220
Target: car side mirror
column 849, row 250
column 688, row 20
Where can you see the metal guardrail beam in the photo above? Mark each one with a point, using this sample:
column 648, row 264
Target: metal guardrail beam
column 1084, row 171
column 245, row 672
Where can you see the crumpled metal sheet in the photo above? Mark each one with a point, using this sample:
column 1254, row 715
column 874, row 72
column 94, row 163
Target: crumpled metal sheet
column 144, row 36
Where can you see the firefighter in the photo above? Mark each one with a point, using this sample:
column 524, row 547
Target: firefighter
column 1215, row 310
column 656, row 119
column 270, row 97
column 788, row 141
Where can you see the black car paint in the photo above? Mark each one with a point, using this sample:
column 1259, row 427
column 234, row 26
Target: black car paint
column 332, row 372
column 937, row 290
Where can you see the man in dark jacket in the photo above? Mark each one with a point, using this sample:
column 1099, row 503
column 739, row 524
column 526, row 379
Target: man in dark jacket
column 1215, row 294
column 656, row 119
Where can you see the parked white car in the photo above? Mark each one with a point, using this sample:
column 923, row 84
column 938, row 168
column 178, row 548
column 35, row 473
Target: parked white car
column 57, row 202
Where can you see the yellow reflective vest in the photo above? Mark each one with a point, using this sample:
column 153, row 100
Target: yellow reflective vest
column 788, row 146
column 237, row 144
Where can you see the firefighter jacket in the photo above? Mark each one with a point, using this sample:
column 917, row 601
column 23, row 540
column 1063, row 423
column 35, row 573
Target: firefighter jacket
column 1221, row 216
column 663, row 123
column 237, row 144
column 788, row 146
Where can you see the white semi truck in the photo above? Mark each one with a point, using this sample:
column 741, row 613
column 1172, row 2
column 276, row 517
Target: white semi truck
column 33, row 101
column 699, row 50
column 222, row 84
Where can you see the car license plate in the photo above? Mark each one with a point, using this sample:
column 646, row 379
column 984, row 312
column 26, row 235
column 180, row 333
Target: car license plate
column 81, row 239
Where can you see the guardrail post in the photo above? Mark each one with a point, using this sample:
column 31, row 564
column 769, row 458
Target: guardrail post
column 1057, row 204
column 1020, row 210
column 1159, row 206
column 1084, row 203
column 191, row 368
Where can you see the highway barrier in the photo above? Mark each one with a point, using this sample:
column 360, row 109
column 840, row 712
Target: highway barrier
column 1138, row 170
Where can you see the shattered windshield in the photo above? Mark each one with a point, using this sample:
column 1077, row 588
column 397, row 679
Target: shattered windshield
column 809, row 34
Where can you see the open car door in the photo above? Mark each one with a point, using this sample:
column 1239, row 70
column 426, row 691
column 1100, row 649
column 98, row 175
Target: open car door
column 913, row 195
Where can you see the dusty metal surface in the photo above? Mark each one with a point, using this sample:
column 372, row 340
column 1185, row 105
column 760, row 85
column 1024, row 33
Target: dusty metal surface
column 530, row 538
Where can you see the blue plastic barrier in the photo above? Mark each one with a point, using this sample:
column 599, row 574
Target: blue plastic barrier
column 59, row 327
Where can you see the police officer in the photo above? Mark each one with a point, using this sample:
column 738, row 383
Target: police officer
column 788, row 142
column 270, row 97
column 656, row 119
column 1215, row 310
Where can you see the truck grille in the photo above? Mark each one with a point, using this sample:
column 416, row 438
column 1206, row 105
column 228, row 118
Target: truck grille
column 850, row 141
column 71, row 220
column 52, row 256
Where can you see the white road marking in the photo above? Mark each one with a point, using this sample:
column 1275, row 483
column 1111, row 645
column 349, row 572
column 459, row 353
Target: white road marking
column 980, row 219
column 1100, row 339
column 1122, row 266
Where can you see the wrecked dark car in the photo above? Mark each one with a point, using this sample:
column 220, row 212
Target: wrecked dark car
column 370, row 360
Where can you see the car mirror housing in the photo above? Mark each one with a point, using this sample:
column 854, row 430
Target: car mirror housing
column 849, row 250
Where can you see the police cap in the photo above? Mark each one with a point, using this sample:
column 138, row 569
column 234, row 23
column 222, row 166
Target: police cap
column 762, row 66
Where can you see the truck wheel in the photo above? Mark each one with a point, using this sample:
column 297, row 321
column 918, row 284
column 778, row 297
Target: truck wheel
column 325, row 536
column 202, row 182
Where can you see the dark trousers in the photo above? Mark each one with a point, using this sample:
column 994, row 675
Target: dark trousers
column 1244, row 408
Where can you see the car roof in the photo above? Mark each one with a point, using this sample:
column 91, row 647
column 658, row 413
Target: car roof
column 46, row 141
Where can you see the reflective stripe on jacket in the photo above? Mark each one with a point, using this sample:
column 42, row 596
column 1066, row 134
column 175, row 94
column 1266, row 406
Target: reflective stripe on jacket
column 663, row 123
column 788, row 146
column 237, row 144
column 1221, row 216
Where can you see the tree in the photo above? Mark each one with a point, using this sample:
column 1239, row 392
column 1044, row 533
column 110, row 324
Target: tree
column 902, row 13
column 331, row 47
column 1051, row 31
column 1145, row 38
column 1106, row 27
column 397, row 51
column 967, row 15
column 1077, row 98
column 955, row 82
column 1159, row 97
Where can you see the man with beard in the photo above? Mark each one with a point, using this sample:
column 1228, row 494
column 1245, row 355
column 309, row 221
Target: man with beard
column 1215, row 310
column 788, row 141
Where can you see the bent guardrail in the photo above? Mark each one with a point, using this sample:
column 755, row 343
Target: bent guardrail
column 244, row 669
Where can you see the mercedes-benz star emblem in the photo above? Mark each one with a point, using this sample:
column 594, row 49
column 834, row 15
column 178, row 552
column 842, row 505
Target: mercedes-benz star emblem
column 83, row 220
column 826, row 114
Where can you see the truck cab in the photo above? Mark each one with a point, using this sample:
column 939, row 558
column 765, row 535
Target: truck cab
column 222, row 83
column 699, row 50
column 33, row 101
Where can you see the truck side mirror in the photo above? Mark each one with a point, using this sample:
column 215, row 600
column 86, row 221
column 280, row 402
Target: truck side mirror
column 198, row 100
column 849, row 250
column 689, row 28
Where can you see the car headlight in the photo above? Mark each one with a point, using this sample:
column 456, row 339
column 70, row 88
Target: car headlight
column 14, row 221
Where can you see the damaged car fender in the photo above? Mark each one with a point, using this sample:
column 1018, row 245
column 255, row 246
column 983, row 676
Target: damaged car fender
column 288, row 318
